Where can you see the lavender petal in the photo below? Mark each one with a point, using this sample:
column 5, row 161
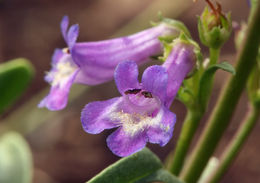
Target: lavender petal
column 126, row 76
column 155, row 81
column 95, row 115
column 57, row 99
column 124, row 145
column 161, row 134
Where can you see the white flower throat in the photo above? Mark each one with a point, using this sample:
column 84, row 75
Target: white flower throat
column 137, row 111
column 64, row 69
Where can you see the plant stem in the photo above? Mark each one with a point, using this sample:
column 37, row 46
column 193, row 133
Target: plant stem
column 221, row 115
column 187, row 132
column 190, row 125
column 235, row 145
column 214, row 54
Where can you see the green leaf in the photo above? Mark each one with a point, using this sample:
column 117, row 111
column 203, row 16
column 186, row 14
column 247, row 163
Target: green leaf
column 15, row 76
column 224, row 66
column 207, row 80
column 129, row 169
column 160, row 176
column 15, row 159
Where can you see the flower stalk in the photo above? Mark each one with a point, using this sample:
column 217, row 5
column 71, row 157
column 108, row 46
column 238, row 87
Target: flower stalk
column 236, row 144
column 188, row 130
column 222, row 114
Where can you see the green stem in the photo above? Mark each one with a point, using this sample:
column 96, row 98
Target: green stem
column 214, row 54
column 221, row 115
column 235, row 145
column 187, row 132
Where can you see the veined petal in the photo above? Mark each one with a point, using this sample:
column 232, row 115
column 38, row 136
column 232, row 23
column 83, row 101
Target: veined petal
column 95, row 116
column 122, row 144
column 155, row 80
column 138, row 47
column 162, row 133
column 126, row 76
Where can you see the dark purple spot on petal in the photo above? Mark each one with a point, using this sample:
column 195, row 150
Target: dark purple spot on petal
column 133, row 91
column 147, row 94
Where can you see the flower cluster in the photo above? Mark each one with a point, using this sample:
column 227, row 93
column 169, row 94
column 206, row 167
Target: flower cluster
column 93, row 63
column 142, row 112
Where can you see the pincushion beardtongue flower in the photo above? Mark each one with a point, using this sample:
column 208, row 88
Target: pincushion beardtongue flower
column 93, row 63
column 142, row 113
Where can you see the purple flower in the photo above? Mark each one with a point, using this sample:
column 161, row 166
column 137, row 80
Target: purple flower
column 142, row 113
column 93, row 63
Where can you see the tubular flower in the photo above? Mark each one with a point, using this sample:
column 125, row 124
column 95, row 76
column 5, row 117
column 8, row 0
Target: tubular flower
column 93, row 63
column 142, row 113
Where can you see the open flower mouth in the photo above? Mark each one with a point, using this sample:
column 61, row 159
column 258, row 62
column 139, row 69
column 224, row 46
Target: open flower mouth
column 141, row 102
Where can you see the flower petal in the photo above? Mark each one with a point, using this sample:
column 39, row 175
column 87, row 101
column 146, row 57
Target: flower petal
column 64, row 27
column 126, row 76
column 57, row 55
column 161, row 134
column 95, row 115
column 57, row 99
column 72, row 35
column 124, row 145
column 178, row 64
column 155, row 80
column 138, row 47
column 94, row 75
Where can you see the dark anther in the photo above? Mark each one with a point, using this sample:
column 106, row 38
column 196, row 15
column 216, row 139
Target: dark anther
column 66, row 50
column 133, row 91
column 147, row 94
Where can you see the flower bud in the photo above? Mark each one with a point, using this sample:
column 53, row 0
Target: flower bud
column 214, row 27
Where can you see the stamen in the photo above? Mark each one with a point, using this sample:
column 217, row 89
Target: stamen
column 147, row 94
column 133, row 91
column 64, row 71
column 66, row 50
